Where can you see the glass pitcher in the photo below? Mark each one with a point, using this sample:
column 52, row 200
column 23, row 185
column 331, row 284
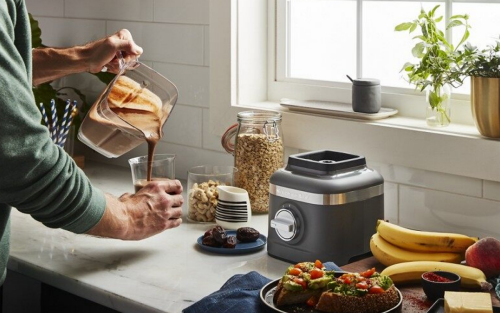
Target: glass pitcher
column 258, row 152
column 109, row 134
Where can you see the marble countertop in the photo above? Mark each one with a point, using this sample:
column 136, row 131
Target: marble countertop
column 165, row 273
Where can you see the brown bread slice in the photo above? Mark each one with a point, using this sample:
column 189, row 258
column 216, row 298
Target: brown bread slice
column 372, row 303
column 285, row 297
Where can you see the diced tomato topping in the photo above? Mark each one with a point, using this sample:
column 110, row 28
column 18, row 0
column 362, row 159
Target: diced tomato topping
column 312, row 301
column 301, row 282
column 346, row 278
column 295, row 271
column 361, row 278
column 316, row 273
column 368, row 273
column 318, row 264
column 362, row 285
column 298, row 265
column 376, row 289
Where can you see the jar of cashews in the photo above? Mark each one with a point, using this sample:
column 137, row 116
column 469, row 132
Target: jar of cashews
column 202, row 190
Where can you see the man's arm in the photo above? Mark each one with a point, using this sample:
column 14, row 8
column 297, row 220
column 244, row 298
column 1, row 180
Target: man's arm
column 53, row 63
column 39, row 178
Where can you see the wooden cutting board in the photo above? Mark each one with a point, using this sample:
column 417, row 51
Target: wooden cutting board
column 414, row 299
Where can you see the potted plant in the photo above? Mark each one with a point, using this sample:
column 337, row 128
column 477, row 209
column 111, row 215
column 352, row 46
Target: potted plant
column 440, row 61
column 483, row 66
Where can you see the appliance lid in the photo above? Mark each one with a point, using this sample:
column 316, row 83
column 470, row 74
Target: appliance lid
column 324, row 162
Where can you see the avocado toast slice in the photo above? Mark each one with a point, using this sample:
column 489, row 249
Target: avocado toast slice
column 366, row 292
column 301, row 282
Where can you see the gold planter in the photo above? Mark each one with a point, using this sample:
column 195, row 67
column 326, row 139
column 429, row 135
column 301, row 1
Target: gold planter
column 485, row 100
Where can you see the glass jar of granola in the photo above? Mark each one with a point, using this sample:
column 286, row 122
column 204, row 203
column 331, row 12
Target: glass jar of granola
column 258, row 152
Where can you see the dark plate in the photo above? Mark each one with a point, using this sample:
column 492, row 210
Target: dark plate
column 241, row 247
column 267, row 293
column 438, row 307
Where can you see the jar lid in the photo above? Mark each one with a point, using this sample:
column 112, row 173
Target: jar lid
column 259, row 116
column 366, row 81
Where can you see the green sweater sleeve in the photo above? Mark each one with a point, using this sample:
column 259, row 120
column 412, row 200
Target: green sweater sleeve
column 36, row 176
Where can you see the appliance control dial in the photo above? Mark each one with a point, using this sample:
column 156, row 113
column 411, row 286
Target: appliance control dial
column 285, row 224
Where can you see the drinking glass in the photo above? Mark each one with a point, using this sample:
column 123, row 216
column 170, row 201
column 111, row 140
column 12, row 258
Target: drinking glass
column 163, row 169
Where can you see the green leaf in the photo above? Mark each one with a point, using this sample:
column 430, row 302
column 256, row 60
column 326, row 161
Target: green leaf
column 434, row 99
column 457, row 16
column 418, row 50
column 454, row 23
column 464, row 38
column 105, row 77
column 439, row 19
column 420, row 37
column 407, row 67
column 424, row 31
column 413, row 27
column 403, row 26
column 431, row 14
column 36, row 33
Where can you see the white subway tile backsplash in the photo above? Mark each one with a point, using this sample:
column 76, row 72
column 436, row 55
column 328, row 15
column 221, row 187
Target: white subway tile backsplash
column 61, row 32
column 289, row 151
column 171, row 43
column 207, row 46
column 184, row 126
column 84, row 81
column 45, row 7
column 441, row 211
column 192, row 82
column 491, row 190
column 186, row 157
column 127, row 10
column 210, row 141
column 431, row 180
column 189, row 157
column 181, row 11
column 391, row 205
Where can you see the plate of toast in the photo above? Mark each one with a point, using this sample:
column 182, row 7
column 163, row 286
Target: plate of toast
column 307, row 287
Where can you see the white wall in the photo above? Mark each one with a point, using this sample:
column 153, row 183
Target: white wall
column 174, row 34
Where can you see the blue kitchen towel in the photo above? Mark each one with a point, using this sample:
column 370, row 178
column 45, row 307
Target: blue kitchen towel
column 239, row 294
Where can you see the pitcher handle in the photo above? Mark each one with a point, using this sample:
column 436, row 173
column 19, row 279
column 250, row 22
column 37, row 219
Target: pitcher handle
column 227, row 138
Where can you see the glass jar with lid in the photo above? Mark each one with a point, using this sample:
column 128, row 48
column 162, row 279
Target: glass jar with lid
column 258, row 151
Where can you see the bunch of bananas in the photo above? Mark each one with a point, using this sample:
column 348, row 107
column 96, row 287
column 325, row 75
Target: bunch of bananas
column 393, row 244
column 410, row 253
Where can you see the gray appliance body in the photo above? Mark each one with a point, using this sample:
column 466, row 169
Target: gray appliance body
column 324, row 205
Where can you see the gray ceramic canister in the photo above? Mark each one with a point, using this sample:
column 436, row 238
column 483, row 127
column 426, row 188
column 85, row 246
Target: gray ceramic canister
column 366, row 95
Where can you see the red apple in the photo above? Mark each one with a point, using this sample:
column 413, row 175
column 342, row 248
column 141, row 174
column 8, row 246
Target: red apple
column 485, row 255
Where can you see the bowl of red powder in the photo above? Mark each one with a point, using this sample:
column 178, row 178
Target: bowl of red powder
column 437, row 282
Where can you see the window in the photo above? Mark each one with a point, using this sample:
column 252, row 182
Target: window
column 247, row 59
column 320, row 41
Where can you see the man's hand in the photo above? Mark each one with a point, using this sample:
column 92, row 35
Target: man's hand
column 155, row 208
column 53, row 63
column 104, row 52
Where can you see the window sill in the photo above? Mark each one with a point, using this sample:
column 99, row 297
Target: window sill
column 456, row 149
